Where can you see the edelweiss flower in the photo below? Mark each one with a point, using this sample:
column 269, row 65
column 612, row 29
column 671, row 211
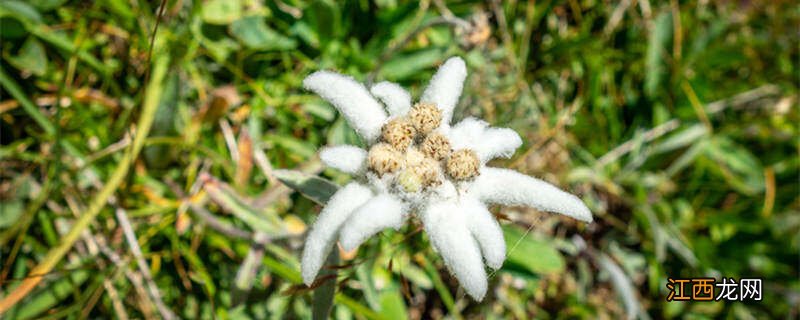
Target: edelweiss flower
column 416, row 163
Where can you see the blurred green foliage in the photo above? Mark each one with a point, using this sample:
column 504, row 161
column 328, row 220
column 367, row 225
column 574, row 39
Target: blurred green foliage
column 676, row 122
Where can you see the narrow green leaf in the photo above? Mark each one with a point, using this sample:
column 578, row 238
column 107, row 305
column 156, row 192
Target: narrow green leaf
column 223, row 195
column 19, row 9
column 255, row 34
column 407, row 65
column 315, row 188
column 740, row 168
column 322, row 299
column 357, row 308
column 392, row 304
column 536, row 256
column 656, row 50
column 14, row 89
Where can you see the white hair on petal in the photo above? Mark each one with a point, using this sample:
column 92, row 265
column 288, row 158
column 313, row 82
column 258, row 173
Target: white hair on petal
column 381, row 212
column 498, row 142
column 352, row 99
column 450, row 236
column 465, row 134
column 322, row 236
column 349, row 159
column 508, row 187
column 486, row 230
column 488, row 143
column 445, row 87
column 396, row 99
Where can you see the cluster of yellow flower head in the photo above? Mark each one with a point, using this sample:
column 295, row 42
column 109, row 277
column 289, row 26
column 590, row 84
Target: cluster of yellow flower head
column 417, row 155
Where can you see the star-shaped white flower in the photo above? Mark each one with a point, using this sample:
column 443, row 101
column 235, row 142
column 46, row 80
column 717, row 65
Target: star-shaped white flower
column 416, row 163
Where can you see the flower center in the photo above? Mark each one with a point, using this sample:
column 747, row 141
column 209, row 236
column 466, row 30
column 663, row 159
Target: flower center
column 426, row 117
column 418, row 157
column 462, row 164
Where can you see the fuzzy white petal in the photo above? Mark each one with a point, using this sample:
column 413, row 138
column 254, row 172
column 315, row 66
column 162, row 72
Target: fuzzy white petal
column 322, row 236
column 488, row 143
column 381, row 212
column 498, row 142
column 450, row 236
column 349, row 159
column 508, row 187
column 465, row 134
column 486, row 230
column 445, row 87
column 396, row 99
column 352, row 99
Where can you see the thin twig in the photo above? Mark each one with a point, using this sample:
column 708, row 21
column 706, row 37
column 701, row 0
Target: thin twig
column 144, row 268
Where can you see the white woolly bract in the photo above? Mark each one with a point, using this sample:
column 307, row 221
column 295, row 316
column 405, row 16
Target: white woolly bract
column 381, row 212
column 323, row 234
column 508, row 187
column 488, row 143
column 447, row 229
column 465, row 134
column 445, row 87
column 351, row 98
column 486, row 230
column 349, row 159
column 396, row 99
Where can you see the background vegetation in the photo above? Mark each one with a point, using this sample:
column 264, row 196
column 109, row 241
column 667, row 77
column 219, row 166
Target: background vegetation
column 676, row 122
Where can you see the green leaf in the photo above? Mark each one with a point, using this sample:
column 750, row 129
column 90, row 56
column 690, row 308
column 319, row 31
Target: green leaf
column 416, row 276
column 656, row 49
column 159, row 156
column 31, row 57
column 219, row 49
column 341, row 133
column 299, row 148
column 324, row 17
column 33, row 111
column 322, row 300
column 255, row 34
column 322, row 110
column 356, row 307
column 536, row 256
column 315, row 188
column 10, row 211
column 19, row 10
column 223, row 195
column 408, row 65
column 392, row 304
column 740, row 168
column 221, row 11
column 13, row 16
